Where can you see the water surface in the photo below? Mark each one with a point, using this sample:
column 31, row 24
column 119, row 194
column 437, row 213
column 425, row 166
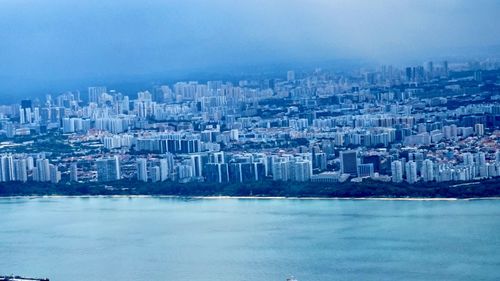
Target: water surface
column 81, row 239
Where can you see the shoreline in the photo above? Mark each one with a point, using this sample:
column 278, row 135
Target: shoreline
column 253, row 197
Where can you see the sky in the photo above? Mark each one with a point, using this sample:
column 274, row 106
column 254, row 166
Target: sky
column 43, row 42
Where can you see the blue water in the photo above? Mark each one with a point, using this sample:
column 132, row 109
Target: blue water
column 81, row 239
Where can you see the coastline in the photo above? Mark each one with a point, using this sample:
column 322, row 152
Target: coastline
column 265, row 190
column 254, row 197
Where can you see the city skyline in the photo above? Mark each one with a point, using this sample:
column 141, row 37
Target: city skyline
column 222, row 140
column 419, row 124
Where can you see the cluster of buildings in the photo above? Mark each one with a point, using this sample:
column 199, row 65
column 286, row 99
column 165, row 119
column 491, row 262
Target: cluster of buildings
column 19, row 167
column 435, row 122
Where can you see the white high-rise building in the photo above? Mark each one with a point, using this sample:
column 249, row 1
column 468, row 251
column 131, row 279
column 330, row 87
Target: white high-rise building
column 281, row 170
column 479, row 129
column 483, row 171
column 30, row 163
column 217, row 157
column 55, row 175
column 142, row 169
column 22, row 116
column 480, row 159
column 42, row 171
column 28, row 115
column 428, row 170
column 397, row 171
column 21, row 173
column 196, row 165
column 164, row 169
column 95, row 93
column 302, row 170
column 454, row 131
column 68, row 125
column 365, row 170
column 234, row 135
column 7, row 168
column 468, row 159
column 447, row 132
column 492, row 170
column 108, row 169
column 36, row 115
column 73, row 172
column 411, row 172
column 155, row 174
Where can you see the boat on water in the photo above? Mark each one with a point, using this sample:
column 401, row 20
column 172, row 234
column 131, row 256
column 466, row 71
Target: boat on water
column 19, row 278
column 291, row 278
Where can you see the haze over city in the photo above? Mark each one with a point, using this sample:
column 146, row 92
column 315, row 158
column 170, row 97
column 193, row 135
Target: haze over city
column 51, row 46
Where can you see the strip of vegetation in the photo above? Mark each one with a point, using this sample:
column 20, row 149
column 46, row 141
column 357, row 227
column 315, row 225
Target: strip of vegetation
column 486, row 188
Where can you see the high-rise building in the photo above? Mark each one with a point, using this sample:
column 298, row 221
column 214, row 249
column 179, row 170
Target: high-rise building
column 409, row 74
column 55, row 175
column 372, row 159
column 302, row 170
column 95, row 93
column 478, row 75
column 30, row 163
column 189, row 146
column 397, row 171
column 236, row 172
column 411, row 172
column 468, row 159
column 479, row 130
column 7, row 168
column 418, row 157
column 73, row 172
column 56, row 114
column 10, row 129
column 108, row 169
column 20, row 170
column 365, row 170
column 42, row 171
column 445, row 69
column 320, row 161
column 430, row 69
column 164, row 169
column 217, row 172
column 25, row 109
column 349, row 162
column 142, row 169
column 480, row 158
column 196, row 165
column 155, row 174
column 281, row 170
column 217, row 157
column 68, row 125
column 26, row 104
column 428, row 170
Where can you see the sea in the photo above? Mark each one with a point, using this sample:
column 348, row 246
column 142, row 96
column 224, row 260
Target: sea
column 231, row 239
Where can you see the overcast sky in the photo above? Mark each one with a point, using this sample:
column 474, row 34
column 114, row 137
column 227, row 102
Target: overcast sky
column 64, row 39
